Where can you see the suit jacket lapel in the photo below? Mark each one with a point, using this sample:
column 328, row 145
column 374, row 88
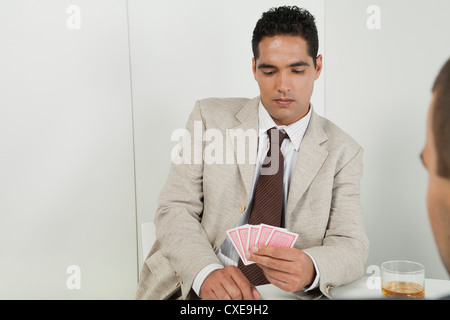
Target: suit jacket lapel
column 309, row 160
column 248, row 118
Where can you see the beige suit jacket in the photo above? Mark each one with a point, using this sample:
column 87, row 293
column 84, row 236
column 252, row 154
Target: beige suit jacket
column 201, row 201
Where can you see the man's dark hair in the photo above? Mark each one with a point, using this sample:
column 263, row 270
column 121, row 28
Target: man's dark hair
column 287, row 20
column 441, row 120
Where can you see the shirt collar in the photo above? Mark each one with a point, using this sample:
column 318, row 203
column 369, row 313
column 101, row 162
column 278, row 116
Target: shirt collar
column 296, row 130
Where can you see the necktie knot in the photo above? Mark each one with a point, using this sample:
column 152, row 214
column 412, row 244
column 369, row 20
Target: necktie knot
column 276, row 138
column 274, row 133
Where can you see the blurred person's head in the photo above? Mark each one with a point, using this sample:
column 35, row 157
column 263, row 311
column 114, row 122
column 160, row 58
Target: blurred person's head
column 436, row 159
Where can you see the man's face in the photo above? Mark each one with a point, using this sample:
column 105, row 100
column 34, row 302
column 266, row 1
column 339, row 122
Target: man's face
column 438, row 195
column 285, row 74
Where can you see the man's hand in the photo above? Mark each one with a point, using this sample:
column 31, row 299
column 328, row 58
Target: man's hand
column 289, row 269
column 228, row 283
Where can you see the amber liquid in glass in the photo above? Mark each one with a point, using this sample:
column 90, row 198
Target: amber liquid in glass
column 403, row 289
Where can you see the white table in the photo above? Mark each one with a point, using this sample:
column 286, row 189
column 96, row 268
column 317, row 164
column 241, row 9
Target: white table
column 364, row 288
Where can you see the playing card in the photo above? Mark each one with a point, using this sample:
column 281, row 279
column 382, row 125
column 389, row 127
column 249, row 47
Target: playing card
column 282, row 238
column 264, row 233
column 253, row 232
column 243, row 232
column 234, row 236
column 253, row 236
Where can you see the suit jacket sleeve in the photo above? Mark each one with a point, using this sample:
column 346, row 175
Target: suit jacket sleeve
column 342, row 256
column 182, row 239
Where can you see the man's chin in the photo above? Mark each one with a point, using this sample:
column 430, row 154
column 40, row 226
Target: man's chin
column 284, row 116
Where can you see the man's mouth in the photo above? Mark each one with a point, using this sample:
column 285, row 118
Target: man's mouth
column 284, row 102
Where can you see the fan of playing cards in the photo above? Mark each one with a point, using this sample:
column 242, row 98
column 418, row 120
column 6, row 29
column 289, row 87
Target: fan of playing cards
column 246, row 236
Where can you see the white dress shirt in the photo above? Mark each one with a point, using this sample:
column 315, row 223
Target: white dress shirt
column 227, row 254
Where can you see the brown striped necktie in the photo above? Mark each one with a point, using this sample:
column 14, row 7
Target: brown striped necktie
column 268, row 199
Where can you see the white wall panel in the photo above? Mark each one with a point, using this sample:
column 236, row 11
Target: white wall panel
column 378, row 88
column 67, row 201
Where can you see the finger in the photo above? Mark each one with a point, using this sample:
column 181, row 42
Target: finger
column 283, row 285
column 221, row 292
column 269, row 261
column 215, row 293
column 275, row 274
column 288, row 254
column 209, row 294
column 213, row 288
column 232, row 289
column 286, row 280
column 245, row 287
column 256, row 294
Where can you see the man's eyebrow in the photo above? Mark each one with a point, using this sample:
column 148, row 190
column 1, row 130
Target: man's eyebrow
column 266, row 66
column 299, row 64
column 292, row 65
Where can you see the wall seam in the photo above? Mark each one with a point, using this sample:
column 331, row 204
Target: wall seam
column 133, row 140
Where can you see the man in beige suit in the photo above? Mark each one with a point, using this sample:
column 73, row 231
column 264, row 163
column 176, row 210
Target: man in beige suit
column 202, row 199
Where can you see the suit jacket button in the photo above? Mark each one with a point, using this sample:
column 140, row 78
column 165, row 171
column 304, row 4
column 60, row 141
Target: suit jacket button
column 242, row 208
column 328, row 288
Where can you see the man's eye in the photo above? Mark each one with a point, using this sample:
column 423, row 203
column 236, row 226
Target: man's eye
column 268, row 73
column 298, row 71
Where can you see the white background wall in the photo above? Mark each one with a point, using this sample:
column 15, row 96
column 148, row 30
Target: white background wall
column 90, row 92
column 378, row 88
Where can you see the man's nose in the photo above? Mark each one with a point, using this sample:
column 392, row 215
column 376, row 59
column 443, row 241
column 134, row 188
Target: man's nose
column 283, row 83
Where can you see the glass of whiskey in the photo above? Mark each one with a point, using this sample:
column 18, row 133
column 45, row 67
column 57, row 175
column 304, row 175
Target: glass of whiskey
column 403, row 279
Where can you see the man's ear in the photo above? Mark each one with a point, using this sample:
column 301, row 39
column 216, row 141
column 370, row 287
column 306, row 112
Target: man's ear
column 254, row 67
column 319, row 64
